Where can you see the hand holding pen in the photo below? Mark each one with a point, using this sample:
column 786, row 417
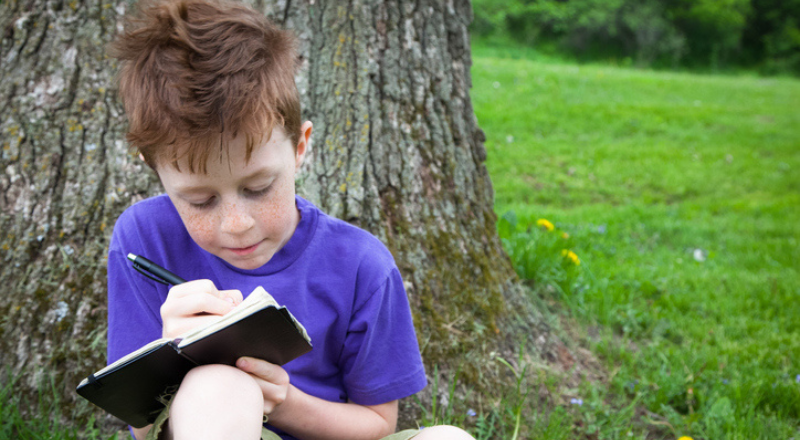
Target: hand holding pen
column 189, row 304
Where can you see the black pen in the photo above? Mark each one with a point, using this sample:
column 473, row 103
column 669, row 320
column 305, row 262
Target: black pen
column 154, row 271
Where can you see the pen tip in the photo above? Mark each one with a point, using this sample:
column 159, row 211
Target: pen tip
column 132, row 257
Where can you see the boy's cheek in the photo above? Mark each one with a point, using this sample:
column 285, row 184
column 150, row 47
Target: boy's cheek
column 279, row 206
column 200, row 228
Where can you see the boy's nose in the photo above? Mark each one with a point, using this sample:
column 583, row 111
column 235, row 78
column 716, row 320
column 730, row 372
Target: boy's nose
column 236, row 220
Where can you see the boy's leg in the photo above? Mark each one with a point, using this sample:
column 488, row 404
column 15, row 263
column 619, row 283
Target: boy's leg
column 442, row 432
column 216, row 401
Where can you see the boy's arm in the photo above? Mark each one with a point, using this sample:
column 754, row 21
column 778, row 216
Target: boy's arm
column 308, row 417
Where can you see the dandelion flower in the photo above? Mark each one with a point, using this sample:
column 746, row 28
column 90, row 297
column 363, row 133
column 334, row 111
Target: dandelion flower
column 571, row 256
column 685, row 437
column 544, row 223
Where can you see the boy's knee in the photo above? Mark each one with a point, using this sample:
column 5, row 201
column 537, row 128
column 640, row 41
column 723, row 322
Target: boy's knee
column 216, row 401
column 443, row 432
column 220, row 384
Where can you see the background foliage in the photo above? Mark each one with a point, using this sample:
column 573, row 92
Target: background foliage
column 699, row 34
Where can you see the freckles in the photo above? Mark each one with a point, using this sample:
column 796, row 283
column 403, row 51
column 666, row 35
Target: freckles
column 274, row 214
column 270, row 213
column 283, row 209
column 263, row 210
column 199, row 227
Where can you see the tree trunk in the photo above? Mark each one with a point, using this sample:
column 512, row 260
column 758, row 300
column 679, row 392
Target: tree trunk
column 66, row 177
column 396, row 150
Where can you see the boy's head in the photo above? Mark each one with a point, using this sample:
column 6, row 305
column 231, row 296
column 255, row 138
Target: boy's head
column 196, row 74
column 209, row 90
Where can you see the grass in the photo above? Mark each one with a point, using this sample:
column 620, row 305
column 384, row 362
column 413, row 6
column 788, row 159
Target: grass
column 681, row 197
column 46, row 422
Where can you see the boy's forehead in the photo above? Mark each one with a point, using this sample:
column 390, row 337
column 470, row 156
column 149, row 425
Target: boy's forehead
column 264, row 155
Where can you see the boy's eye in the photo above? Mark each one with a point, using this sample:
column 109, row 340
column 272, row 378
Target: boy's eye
column 204, row 204
column 257, row 192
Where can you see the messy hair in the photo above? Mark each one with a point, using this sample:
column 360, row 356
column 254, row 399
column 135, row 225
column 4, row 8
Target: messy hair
column 196, row 73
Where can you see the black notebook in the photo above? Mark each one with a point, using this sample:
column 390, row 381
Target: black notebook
column 135, row 388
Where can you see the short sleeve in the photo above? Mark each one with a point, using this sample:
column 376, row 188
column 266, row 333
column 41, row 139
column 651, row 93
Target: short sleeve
column 381, row 360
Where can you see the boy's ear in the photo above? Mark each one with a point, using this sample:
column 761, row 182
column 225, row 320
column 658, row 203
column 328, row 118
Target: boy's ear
column 141, row 157
column 303, row 143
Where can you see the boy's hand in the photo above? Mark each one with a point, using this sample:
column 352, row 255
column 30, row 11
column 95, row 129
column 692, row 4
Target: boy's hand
column 272, row 379
column 305, row 416
column 193, row 304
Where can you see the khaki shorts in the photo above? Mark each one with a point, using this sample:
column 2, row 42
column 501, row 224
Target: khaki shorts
column 266, row 434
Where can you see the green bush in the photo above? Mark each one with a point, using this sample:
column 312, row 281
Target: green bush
column 713, row 28
column 772, row 36
column 665, row 33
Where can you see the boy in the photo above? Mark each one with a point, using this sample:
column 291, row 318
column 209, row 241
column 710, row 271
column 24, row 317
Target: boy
column 209, row 91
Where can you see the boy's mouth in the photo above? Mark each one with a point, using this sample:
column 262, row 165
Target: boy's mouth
column 244, row 251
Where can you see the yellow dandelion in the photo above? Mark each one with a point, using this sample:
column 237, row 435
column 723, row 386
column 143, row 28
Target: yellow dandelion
column 545, row 224
column 573, row 257
column 685, row 437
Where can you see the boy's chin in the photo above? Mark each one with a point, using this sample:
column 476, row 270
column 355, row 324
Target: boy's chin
column 246, row 264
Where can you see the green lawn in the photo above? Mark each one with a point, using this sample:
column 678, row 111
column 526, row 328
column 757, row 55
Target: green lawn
column 681, row 197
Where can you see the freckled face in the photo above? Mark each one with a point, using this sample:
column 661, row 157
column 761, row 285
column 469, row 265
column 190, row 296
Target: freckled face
column 241, row 211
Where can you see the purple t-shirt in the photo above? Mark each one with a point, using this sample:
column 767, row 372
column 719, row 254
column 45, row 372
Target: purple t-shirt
column 339, row 281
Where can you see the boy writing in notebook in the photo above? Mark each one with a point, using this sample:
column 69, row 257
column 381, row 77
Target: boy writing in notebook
column 209, row 91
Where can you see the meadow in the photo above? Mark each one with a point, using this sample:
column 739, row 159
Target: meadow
column 678, row 196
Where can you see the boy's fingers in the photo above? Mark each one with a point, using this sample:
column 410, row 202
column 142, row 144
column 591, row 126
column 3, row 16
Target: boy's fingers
column 207, row 287
column 194, row 323
column 193, row 286
column 196, row 303
column 266, row 371
column 233, row 296
column 215, row 305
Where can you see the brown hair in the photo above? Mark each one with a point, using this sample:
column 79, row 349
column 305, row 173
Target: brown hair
column 196, row 73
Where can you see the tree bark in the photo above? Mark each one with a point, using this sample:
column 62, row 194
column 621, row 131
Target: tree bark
column 66, row 177
column 396, row 150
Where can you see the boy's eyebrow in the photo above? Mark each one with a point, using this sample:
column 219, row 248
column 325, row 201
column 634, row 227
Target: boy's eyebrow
column 196, row 189
column 262, row 172
column 191, row 189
